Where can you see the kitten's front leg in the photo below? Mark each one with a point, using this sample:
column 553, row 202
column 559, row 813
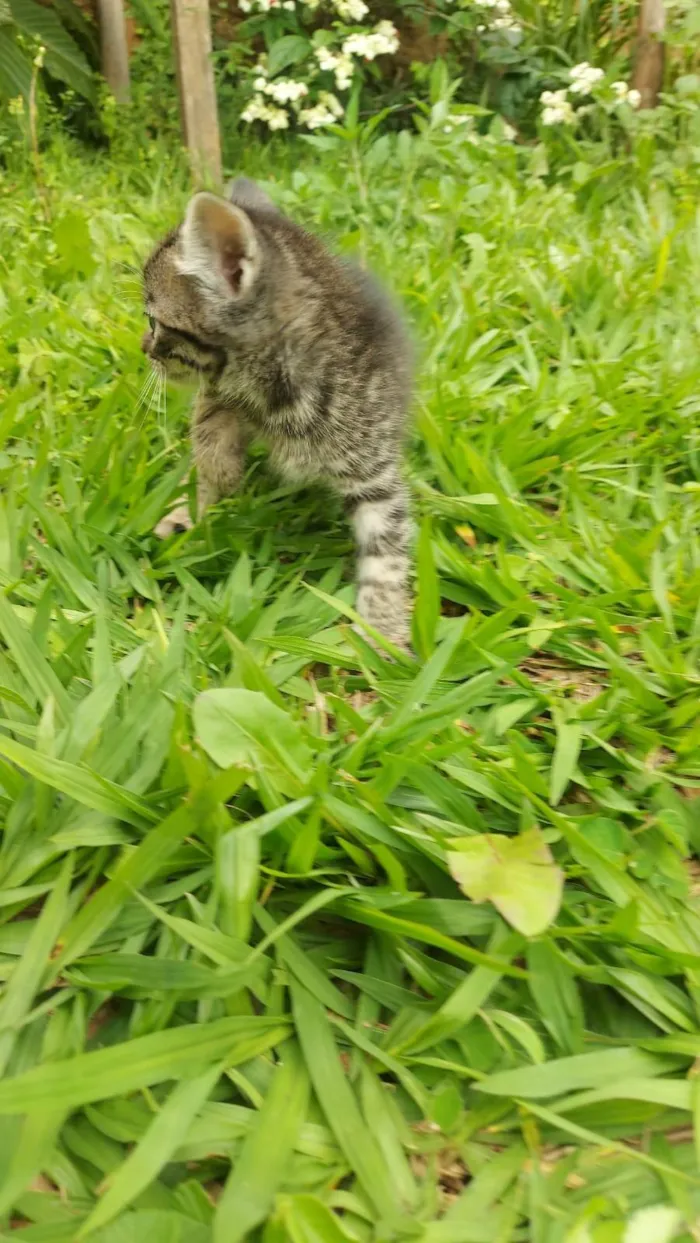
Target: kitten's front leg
column 219, row 452
column 379, row 512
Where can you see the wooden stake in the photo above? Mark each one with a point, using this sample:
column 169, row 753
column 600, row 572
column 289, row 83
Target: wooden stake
column 115, row 49
column 195, row 76
column 648, row 76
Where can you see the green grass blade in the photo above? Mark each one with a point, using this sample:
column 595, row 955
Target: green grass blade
column 153, row 1150
column 338, row 1101
column 138, row 1063
column 263, row 1161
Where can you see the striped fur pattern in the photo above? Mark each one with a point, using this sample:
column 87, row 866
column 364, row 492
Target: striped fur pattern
column 300, row 348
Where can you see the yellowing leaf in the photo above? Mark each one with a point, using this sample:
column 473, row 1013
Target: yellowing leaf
column 657, row 1224
column 466, row 533
column 517, row 874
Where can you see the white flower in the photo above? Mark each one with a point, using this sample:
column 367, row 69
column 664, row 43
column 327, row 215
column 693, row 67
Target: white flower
column 584, row 77
column 553, row 98
column 253, row 109
column 277, row 119
column 325, row 111
column 289, row 4
column 382, row 41
column 557, row 258
column 343, row 72
column 509, row 131
column 504, row 19
column 557, row 109
column 245, row 6
column 326, row 58
column 624, row 95
column 331, row 102
column 463, row 121
column 285, row 90
column 259, row 84
column 314, row 118
column 258, row 109
column 337, row 63
column 351, row 10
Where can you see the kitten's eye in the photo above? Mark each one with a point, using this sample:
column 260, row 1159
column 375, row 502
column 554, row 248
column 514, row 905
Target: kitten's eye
column 151, row 323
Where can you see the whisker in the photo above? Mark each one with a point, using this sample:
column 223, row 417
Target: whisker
column 147, row 381
column 161, row 406
column 146, row 395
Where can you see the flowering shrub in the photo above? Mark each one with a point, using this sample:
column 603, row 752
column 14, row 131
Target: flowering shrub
column 332, row 44
column 502, row 17
column 585, row 82
column 294, row 64
column 326, row 61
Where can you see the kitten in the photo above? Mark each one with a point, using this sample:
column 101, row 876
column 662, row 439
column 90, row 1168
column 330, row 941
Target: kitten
column 298, row 347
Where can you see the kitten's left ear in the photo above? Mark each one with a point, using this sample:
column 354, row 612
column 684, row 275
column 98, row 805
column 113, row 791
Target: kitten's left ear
column 218, row 246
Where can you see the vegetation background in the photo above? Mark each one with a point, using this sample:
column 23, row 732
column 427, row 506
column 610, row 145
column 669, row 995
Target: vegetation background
column 299, row 943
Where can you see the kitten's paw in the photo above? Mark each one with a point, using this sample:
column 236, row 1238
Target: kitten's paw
column 174, row 523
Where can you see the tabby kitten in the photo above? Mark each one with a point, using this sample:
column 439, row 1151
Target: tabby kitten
column 296, row 346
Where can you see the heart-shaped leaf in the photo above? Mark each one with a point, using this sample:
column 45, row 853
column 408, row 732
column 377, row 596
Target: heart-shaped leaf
column 517, row 874
column 659, row 1223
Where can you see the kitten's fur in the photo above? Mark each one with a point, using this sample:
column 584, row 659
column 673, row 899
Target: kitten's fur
column 300, row 348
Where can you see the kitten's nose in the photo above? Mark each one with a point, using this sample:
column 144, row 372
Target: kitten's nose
column 147, row 342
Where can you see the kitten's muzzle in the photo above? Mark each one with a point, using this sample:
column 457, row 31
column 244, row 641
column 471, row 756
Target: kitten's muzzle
column 147, row 343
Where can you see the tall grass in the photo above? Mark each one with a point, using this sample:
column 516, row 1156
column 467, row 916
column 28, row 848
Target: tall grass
column 242, row 995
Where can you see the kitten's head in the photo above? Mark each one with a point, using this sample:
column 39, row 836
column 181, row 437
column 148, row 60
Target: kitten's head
column 202, row 280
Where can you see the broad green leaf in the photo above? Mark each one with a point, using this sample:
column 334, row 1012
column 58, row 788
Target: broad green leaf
column 286, row 51
column 65, row 58
column 245, row 727
column 15, row 66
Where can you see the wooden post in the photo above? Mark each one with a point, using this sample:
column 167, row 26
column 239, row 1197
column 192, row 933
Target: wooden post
column 648, row 76
column 195, row 76
column 114, row 46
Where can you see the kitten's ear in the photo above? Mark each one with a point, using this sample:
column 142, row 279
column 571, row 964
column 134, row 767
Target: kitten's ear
column 245, row 193
column 218, row 246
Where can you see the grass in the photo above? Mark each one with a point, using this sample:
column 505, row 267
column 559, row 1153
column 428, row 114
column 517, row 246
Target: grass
column 242, row 994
